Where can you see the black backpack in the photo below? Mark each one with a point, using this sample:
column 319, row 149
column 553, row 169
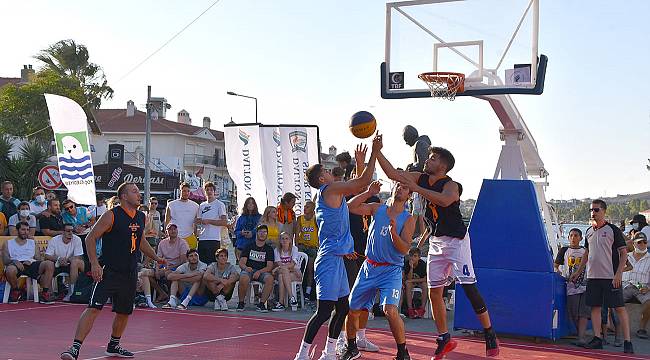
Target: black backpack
column 83, row 289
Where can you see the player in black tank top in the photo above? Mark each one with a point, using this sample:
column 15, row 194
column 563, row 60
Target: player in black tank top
column 442, row 196
column 121, row 230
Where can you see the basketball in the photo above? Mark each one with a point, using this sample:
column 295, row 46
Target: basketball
column 363, row 124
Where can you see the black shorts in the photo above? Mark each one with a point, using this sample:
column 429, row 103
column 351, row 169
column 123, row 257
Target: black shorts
column 601, row 292
column 30, row 270
column 352, row 268
column 119, row 286
column 206, row 250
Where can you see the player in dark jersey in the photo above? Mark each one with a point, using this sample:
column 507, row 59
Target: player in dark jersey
column 115, row 273
column 450, row 255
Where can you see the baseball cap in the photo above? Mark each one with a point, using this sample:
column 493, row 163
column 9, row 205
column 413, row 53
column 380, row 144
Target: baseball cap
column 640, row 237
column 637, row 219
column 170, row 225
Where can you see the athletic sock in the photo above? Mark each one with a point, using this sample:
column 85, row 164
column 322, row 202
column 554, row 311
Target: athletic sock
column 352, row 342
column 149, row 302
column 488, row 330
column 304, row 349
column 343, row 335
column 401, row 348
column 172, row 300
column 361, row 334
column 71, row 289
column 186, row 300
column 308, row 291
column 113, row 342
column 330, row 346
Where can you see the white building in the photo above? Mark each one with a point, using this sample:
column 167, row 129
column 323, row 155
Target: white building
column 175, row 145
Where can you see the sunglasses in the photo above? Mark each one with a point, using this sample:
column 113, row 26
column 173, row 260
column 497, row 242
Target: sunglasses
column 594, row 209
column 69, row 207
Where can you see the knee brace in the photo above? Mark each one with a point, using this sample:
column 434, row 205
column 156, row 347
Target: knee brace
column 475, row 298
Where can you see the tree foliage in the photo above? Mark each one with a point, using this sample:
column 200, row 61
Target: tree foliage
column 579, row 210
column 71, row 60
column 23, row 109
column 22, row 168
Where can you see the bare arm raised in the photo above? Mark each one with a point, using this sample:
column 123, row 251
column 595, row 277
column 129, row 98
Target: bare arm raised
column 357, row 204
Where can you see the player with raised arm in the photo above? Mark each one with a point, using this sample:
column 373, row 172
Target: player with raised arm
column 389, row 239
column 450, row 255
column 335, row 242
column 115, row 273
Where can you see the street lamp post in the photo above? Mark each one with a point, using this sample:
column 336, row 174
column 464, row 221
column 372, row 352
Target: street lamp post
column 246, row 96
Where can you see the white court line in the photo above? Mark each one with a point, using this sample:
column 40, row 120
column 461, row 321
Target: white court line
column 172, row 346
column 292, row 322
column 38, row 308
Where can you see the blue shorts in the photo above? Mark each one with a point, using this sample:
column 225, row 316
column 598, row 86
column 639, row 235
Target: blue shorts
column 331, row 278
column 387, row 279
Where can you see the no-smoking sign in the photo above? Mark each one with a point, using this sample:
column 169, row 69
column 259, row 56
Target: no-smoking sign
column 49, row 177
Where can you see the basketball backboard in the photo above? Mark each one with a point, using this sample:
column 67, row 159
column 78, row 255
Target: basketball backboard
column 494, row 43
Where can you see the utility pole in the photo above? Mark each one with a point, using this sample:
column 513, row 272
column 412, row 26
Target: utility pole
column 147, row 156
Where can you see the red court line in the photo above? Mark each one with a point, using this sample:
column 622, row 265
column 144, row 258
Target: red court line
column 161, row 334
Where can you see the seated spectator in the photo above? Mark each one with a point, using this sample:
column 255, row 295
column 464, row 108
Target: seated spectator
column 568, row 260
column 78, row 216
column 8, row 203
column 287, row 269
column 307, row 241
column 50, row 221
column 153, row 230
column 145, row 276
column 245, row 226
column 4, row 227
column 286, row 215
column 256, row 263
column 67, row 254
column 640, row 223
column 270, row 219
column 23, row 215
column 173, row 248
column 220, row 278
column 97, row 210
column 38, row 203
column 187, row 275
column 636, row 281
column 415, row 276
column 20, row 256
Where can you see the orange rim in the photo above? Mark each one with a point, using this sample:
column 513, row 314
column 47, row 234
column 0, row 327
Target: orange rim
column 453, row 80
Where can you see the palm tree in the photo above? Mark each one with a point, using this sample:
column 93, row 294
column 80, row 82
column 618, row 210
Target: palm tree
column 22, row 170
column 69, row 59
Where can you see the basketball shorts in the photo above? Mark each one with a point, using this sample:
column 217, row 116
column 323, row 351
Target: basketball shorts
column 331, row 278
column 119, row 286
column 449, row 259
column 387, row 279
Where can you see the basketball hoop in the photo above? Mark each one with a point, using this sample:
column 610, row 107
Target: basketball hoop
column 444, row 85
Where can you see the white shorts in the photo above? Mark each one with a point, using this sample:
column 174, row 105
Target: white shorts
column 449, row 259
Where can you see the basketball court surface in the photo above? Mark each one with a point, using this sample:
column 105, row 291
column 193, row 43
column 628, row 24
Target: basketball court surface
column 34, row 331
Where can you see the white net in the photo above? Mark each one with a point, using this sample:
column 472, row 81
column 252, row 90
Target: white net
column 443, row 85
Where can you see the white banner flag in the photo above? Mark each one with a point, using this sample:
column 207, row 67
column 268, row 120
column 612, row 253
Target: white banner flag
column 299, row 147
column 272, row 163
column 244, row 163
column 70, row 128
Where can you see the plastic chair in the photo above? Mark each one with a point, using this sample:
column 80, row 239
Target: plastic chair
column 55, row 284
column 296, row 286
column 32, row 288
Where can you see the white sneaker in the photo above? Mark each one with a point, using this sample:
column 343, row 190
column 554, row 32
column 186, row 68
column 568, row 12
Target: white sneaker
column 304, row 357
column 341, row 342
column 224, row 305
column 293, row 303
column 219, row 302
column 366, row 345
column 325, row 356
column 66, row 298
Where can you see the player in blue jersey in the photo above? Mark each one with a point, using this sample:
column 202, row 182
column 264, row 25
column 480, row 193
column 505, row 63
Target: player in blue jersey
column 389, row 239
column 335, row 242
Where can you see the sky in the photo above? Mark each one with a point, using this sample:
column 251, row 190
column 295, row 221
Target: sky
column 318, row 62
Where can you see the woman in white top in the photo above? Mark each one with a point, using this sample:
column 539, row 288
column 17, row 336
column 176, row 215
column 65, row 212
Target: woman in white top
column 287, row 269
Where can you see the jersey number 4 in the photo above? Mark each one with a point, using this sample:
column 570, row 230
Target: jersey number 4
column 466, row 270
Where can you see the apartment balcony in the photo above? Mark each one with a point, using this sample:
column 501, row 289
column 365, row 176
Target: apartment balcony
column 203, row 160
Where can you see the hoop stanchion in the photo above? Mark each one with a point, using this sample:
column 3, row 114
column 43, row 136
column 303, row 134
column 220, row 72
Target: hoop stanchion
column 444, row 85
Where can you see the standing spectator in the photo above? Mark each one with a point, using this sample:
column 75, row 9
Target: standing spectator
column 23, row 215
column 66, row 252
column 256, row 263
column 420, row 146
column 307, row 241
column 97, row 210
column 640, row 223
column 570, row 258
column 51, row 195
column 78, row 216
column 8, row 203
column 212, row 220
column 270, row 219
column 153, row 228
column 287, row 269
column 415, row 276
column 38, row 204
column 605, row 257
column 50, row 221
column 636, row 281
column 345, row 162
column 21, row 257
column 245, row 226
column 220, row 278
column 3, row 224
column 183, row 213
column 187, row 275
column 286, row 215
column 338, row 173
